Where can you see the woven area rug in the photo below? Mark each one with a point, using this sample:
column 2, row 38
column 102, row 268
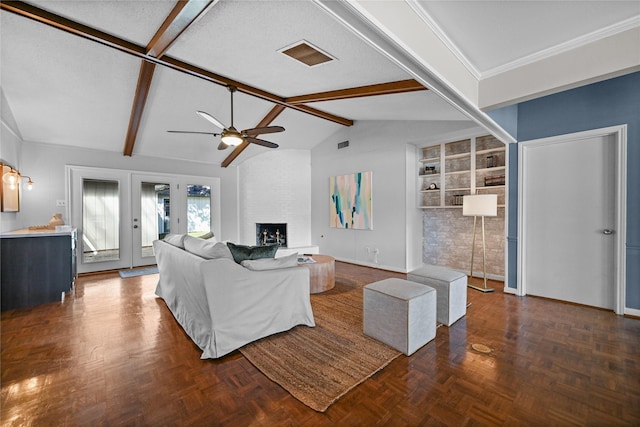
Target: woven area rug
column 319, row 365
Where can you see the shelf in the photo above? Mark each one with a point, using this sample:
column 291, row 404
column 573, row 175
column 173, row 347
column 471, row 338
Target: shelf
column 430, row 160
column 487, row 187
column 448, row 207
column 457, row 156
column 491, row 150
column 456, row 172
column 457, row 163
column 495, row 168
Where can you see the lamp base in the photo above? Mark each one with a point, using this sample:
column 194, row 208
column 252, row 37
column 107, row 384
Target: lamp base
column 478, row 288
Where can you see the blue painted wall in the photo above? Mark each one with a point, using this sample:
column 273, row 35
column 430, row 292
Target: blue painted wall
column 608, row 103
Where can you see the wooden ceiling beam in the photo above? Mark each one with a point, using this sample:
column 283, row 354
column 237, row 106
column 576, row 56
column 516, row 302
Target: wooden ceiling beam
column 266, row 121
column 40, row 15
column 139, row 101
column 250, row 90
column 56, row 21
column 401, row 86
column 182, row 16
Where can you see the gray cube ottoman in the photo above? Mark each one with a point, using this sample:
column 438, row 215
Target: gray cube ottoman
column 451, row 289
column 400, row 313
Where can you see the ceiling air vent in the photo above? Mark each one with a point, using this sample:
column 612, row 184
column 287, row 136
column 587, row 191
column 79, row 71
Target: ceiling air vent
column 306, row 53
column 343, row 144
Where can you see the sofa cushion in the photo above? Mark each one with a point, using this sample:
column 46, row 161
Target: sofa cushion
column 206, row 248
column 271, row 263
column 175, row 239
column 241, row 252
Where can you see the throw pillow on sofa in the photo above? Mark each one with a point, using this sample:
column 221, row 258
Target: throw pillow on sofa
column 241, row 252
column 271, row 263
column 206, row 248
column 175, row 240
column 208, row 236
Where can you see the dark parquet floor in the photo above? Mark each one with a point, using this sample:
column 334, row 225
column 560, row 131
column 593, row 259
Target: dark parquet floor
column 112, row 354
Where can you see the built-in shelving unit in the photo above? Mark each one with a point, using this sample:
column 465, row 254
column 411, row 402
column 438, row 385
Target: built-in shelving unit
column 451, row 170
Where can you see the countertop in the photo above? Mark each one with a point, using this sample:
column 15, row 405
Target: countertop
column 25, row 232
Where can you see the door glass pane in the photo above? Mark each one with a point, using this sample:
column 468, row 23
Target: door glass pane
column 155, row 208
column 100, row 221
column 198, row 209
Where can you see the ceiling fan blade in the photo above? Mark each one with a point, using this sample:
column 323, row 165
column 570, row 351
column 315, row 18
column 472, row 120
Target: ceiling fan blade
column 212, row 119
column 261, row 142
column 262, row 130
column 222, row 146
column 189, row 131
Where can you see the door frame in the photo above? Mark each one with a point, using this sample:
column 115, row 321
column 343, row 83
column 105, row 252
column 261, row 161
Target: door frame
column 136, row 228
column 620, row 136
column 74, row 207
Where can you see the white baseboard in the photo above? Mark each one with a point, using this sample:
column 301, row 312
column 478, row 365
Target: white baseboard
column 508, row 290
column 371, row 264
column 632, row 311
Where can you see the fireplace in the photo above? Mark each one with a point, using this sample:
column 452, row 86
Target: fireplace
column 268, row 234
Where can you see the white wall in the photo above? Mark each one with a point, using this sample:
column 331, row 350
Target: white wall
column 45, row 164
column 279, row 183
column 380, row 147
column 10, row 145
column 9, row 153
column 275, row 187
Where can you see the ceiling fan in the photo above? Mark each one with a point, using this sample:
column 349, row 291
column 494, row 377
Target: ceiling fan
column 230, row 136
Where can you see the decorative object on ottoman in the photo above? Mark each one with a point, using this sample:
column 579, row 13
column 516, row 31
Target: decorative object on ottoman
column 451, row 290
column 400, row 313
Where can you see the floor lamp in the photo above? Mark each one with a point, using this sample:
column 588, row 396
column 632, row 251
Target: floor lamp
column 480, row 205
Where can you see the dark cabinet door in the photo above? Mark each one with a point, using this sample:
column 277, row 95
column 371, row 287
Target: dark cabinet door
column 35, row 270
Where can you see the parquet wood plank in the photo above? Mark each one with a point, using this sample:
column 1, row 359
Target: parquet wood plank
column 112, row 354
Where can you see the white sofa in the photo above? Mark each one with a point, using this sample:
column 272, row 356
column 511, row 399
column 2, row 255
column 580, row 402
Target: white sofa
column 222, row 305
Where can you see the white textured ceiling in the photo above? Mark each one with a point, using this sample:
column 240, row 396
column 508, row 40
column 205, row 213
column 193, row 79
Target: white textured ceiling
column 493, row 34
column 63, row 89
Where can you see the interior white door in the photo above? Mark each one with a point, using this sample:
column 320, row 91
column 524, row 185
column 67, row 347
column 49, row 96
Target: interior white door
column 569, row 220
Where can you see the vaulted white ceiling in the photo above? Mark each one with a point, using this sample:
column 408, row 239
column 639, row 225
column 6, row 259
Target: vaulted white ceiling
column 65, row 89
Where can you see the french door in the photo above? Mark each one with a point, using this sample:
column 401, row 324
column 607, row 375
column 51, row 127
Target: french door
column 120, row 213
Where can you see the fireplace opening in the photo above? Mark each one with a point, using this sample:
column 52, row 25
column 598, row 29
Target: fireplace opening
column 268, row 234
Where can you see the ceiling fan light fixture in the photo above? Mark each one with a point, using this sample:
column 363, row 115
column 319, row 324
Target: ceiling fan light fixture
column 231, row 137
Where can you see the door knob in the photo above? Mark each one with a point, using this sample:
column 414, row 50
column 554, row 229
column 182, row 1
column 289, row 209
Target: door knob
column 607, row 232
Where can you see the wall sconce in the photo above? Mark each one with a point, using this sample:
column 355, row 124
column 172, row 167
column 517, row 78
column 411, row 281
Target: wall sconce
column 13, row 178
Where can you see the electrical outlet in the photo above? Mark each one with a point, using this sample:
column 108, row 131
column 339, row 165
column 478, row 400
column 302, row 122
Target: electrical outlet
column 61, row 203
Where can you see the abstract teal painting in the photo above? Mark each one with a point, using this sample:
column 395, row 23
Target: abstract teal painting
column 351, row 201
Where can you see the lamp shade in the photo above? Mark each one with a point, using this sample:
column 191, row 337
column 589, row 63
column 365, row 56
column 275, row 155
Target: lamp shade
column 480, row 205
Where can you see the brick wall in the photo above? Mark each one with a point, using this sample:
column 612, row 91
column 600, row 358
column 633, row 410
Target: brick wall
column 447, row 238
